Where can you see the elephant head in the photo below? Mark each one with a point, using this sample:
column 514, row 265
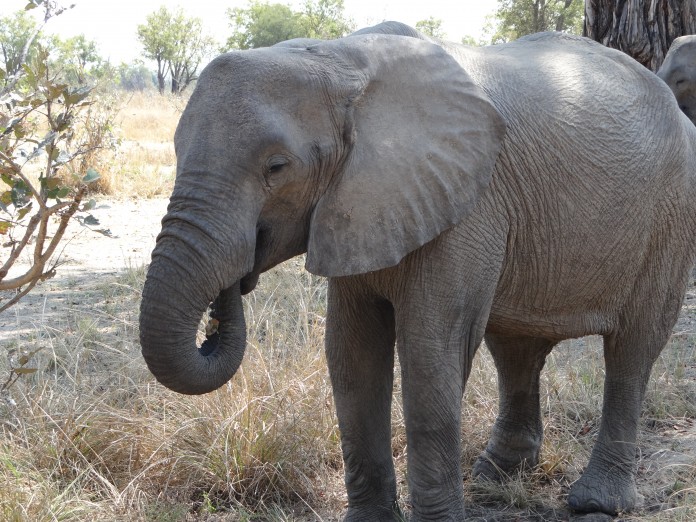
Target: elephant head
column 356, row 151
column 679, row 72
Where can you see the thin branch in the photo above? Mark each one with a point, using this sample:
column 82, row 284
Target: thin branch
column 24, row 292
column 33, row 222
column 36, row 271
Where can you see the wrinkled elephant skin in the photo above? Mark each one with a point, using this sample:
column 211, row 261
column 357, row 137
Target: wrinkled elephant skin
column 524, row 193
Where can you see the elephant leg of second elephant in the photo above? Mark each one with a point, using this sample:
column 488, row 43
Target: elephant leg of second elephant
column 517, row 434
column 360, row 356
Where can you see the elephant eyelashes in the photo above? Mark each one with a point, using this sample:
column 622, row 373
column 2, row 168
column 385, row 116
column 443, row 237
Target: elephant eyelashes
column 275, row 165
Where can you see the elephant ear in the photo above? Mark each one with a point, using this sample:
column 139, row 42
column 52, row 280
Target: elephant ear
column 425, row 139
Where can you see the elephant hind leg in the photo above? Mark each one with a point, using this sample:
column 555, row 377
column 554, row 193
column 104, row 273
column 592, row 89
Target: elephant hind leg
column 516, row 437
column 608, row 483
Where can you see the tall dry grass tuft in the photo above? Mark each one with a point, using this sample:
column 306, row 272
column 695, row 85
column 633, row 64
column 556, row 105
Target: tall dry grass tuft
column 93, row 433
column 142, row 163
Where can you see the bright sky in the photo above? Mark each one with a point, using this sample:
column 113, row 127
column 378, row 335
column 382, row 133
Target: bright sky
column 112, row 24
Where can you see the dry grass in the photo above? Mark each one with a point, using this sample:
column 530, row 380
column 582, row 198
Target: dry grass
column 93, row 437
column 93, row 433
column 143, row 164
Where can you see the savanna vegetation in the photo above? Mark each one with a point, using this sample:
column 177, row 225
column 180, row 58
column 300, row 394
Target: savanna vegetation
column 85, row 431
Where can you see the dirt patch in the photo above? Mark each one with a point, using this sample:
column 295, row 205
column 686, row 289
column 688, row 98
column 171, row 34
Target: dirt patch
column 87, row 256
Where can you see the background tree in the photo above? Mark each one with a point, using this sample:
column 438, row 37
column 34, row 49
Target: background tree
column 431, row 27
column 177, row 44
column 17, row 31
column 135, row 76
column 643, row 30
column 325, row 19
column 79, row 59
column 516, row 18
column 262, row 24
column 157, row 44
column 191, row 47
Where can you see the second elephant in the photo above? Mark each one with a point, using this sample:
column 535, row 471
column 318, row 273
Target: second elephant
column 679, row 72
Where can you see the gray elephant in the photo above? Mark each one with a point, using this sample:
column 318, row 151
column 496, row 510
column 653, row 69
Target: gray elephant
column 526, row 193
column 679, row 73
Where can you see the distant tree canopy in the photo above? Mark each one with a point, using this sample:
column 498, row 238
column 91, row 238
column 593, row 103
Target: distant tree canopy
column 177, row 45
column 431, row 27
column 643, row 30
column 16, row 34
column 75, row 60
column 78, row 59
column 263, row 24
column 516, row 18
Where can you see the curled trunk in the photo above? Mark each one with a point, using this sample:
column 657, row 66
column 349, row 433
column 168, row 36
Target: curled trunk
column 168, row 341
column 185, row 276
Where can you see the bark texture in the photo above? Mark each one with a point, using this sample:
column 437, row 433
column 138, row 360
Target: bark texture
column 643, row 29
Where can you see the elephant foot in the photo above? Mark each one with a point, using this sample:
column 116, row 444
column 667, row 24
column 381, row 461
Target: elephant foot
column 604, row 493
column 497, row 468
column 391, row 513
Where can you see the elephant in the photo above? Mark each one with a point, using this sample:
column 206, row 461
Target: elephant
column 679, row 73
column 523, row 193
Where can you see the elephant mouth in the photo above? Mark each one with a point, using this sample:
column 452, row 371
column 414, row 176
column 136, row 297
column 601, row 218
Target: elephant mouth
column 249, row 281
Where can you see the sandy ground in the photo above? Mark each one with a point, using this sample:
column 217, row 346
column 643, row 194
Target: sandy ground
column 87, row 254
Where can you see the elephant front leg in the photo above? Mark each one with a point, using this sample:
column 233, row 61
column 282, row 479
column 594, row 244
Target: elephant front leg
column 434, row 372
column 518, row 432
column 360, row 356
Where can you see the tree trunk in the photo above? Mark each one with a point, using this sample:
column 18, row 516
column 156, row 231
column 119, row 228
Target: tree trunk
column 160, row 77
column 560, row 23
column 643, row 29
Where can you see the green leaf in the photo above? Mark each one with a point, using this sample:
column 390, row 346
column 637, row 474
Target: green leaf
column 24, row 211
column 91, row 220
column 20, row 194
column 19, row 131
column 63, row 192
column 89, row 205
column 75, row 97
column 50, row 183
column 56, row 90
column 8, row 180
column 91, row 176
column 4, row 226
column 6, row 197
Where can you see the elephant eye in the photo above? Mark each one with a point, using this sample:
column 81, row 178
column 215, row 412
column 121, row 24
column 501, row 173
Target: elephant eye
column 276, row 164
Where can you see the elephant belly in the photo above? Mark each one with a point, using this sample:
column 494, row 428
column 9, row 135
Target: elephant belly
column 548, row 324
column 566, row 287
